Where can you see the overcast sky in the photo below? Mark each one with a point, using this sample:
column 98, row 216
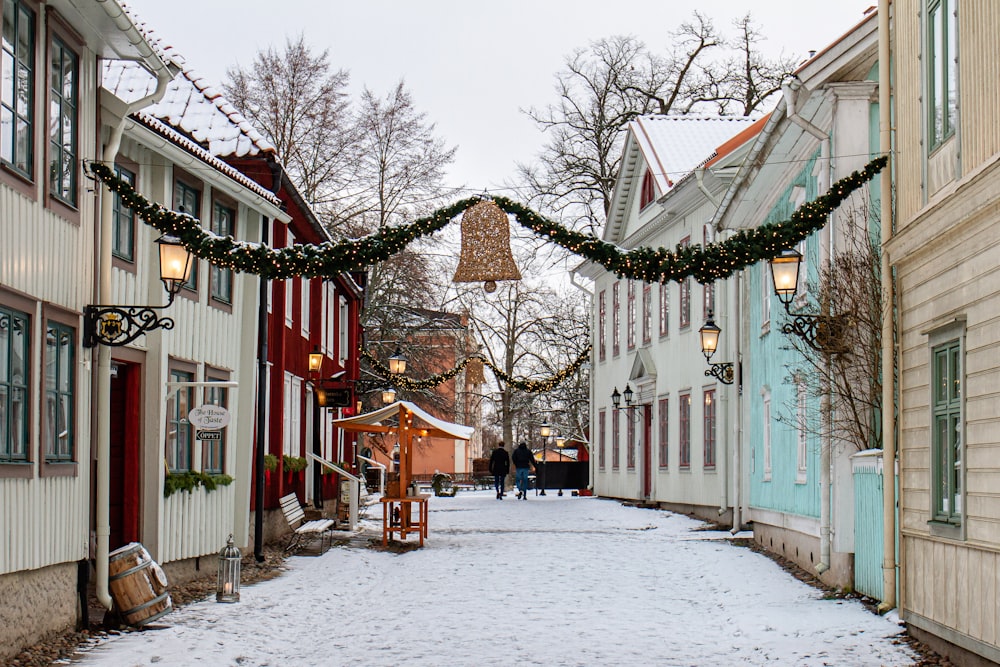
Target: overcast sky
column 471, row 66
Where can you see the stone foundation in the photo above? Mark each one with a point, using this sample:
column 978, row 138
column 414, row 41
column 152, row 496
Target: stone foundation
column 36, row 605
column 803, row 550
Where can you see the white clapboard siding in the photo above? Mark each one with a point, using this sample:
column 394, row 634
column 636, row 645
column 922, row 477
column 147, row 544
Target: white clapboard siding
column 43, row 522
column 196, row 523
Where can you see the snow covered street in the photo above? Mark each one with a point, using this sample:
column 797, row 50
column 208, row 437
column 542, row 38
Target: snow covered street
column 547, row 581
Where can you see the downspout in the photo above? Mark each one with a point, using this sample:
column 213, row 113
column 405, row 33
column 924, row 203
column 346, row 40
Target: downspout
column 888, row 371
column 104, row 295
column 790, row 91
column 699, row 175
column 737, row 411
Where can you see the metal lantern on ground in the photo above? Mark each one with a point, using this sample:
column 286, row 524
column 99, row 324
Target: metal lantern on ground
column 785, row 275
column 230, row 560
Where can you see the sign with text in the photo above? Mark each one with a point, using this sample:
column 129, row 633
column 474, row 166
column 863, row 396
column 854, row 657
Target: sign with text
column 209, row 435
column 209, row 417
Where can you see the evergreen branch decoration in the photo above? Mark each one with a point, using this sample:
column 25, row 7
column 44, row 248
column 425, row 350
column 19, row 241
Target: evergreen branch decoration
column 530, row 386
column 707, row 264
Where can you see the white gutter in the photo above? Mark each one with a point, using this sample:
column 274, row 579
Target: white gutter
column 104, row 295
column 888, row 370
column 699, row 175
column 790, row 91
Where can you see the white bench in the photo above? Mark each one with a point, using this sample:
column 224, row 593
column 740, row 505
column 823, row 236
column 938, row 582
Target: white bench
column 304, row 531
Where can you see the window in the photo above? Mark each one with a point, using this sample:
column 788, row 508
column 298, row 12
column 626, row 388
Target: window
column 664, row 309
column 647, row 313
column 648, row 190
column 222, row 279
column 685, row 298
column 123, row 221
column 329, row 323
column 630, row 439
column 801, row 419
column 186, row 200
column 17, row 97
column 180, row 434
column 684, row 430
column 15, row 335
column 292, row 415
column 59, row 392
column 602, row 319
column 942, row 71
column 615, row 319
column 213, row 452
column 664, row 417
column 709, row 428
column 767, row 434
column 602, row 443
column 630, row 316
column 615, row 437
column 344, row 330
column 63, row 95
column 708, row 289
column 946, row 440
column 306, row 285
column 289, row 291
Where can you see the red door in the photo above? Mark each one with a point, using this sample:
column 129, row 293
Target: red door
column 124, row 459
column 647, row 451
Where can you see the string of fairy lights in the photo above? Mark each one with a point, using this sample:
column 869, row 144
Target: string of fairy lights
column 529, row 386
column 706, row 264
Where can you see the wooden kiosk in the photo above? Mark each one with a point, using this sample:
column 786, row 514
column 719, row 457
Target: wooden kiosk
column 398, row 514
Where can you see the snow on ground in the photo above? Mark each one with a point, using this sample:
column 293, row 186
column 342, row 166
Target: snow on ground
column 547, row 581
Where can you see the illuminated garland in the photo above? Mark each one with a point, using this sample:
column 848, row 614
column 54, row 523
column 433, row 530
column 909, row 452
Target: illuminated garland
column 706, row 264
column 531, row 386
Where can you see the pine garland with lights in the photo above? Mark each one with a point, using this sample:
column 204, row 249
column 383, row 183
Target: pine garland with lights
column 530, row 386
column 706, row 264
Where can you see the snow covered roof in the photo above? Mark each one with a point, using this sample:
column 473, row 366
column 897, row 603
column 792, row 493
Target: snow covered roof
column 375, row 418
column 191, row 104
column 675, row 145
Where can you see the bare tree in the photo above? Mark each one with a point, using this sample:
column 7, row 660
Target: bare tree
column 841, row 369
column 301, row 105
column 602, row 88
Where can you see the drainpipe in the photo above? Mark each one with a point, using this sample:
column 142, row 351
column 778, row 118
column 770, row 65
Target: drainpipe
column 737, row 412
column 699, row 175
column 888, row 371
column 790, row 91
column 104, row 295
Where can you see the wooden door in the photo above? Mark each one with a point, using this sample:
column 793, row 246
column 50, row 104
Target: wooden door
column 124, row 499
column 647, row 451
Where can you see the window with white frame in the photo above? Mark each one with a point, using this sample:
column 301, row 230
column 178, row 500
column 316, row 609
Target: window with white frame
column 616, row 319
column 602, row 441
column 664, row 309
column 664, row 431
column 802, row 432
column 63, row 121
column 766, row 406
column 708, row 428
column 684, row 429
column 187, row 199
column 685, row 294
column 213, row 452
column 329, row 325
column 180, row 433
column 602, row 321
column 630, row 316
column 344, row 330
column 647, row 313
column 60, row 391
column 615, row 438
column 15, row 339
column 306, row 285
column 17, row 97
column 223, row 224
column 289, row 290
column 291, row 436
column 631, row 434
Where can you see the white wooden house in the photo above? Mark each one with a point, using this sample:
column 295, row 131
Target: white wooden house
column 672, row 445
column 48, row 239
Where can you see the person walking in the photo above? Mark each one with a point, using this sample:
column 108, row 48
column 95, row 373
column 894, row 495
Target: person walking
column 523, row 460
column 500, row 468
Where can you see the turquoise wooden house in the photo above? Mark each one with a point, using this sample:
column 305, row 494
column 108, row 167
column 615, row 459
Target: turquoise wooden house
column 801, row 495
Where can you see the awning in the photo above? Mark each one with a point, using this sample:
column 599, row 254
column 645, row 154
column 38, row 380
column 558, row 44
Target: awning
column 371, row 422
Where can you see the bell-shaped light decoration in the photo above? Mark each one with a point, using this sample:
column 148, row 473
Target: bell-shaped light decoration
column 709, row 337
column 785, row 274
column 486, row 255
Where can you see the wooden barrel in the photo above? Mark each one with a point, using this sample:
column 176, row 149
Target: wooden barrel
column 138, row 585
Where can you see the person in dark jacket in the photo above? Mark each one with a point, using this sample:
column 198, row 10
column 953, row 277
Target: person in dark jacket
column 500, row 468
column 523, row 461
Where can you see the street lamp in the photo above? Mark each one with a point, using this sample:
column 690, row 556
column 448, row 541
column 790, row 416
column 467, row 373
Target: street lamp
column 115, row 326
column 315, row 360
column 545, row 430
column 817, row 331
column 397, row 362
column 560, row 442
column 723, row 372
column 388, row 395
column 616, row 400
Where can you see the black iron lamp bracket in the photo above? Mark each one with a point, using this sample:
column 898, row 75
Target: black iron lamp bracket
column 115, row 326
column 722, row 372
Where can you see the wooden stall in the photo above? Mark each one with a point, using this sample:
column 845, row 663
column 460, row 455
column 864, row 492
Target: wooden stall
column 407, row 421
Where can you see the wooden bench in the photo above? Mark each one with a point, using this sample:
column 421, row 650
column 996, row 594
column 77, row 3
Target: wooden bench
column 304, row 531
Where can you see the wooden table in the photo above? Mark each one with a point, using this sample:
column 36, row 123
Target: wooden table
column 397, row 517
